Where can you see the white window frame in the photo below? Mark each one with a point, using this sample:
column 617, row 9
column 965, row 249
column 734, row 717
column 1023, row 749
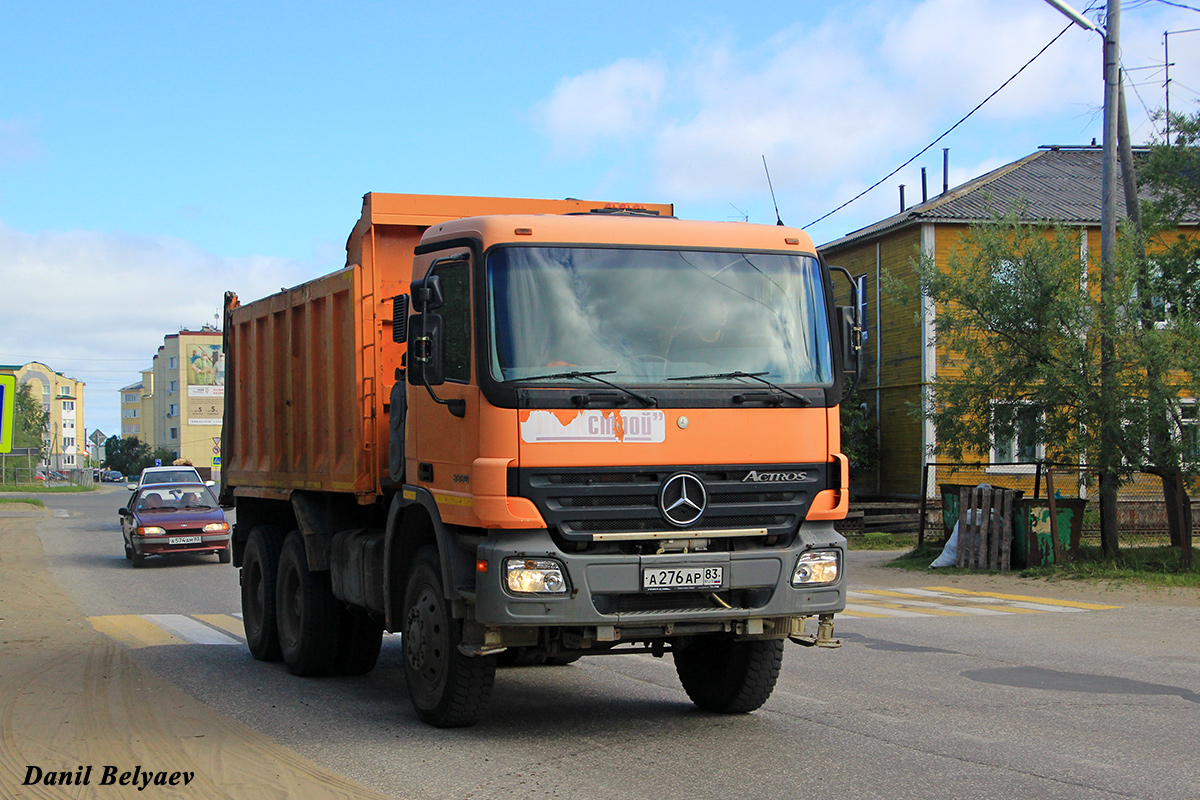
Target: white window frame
column 998, row 462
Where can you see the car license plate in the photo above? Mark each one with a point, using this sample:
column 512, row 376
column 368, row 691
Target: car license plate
column 183, row 540
column 659, row 578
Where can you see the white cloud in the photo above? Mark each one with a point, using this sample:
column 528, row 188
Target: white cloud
column 613, row 102
column 95, row 306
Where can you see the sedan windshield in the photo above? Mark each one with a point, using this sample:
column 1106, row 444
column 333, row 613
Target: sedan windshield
column 652, row 315
column 175, row 497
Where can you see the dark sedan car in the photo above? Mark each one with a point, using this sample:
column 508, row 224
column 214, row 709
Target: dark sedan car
column 164, row 519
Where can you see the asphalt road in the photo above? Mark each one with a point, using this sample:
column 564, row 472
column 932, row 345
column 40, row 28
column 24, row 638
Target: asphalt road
column 952, row 692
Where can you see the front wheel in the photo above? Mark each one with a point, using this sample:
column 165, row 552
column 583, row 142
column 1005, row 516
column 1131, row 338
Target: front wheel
column 447, row 689
column 727, row 676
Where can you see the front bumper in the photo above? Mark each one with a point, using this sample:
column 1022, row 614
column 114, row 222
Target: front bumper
column 161, row 545
column 605, row 590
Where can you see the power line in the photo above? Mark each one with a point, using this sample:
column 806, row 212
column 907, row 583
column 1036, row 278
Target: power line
column 1179, row 5
column 948, row 131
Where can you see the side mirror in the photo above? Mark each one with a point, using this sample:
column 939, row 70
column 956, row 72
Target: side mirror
column 123, row 512
column 426, row 350
column 427, row 293
column 851, row 330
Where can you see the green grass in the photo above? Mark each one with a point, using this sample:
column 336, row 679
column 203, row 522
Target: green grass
column 1141, row 565
column 879, row 540
column 41, row 489
column 33, row 501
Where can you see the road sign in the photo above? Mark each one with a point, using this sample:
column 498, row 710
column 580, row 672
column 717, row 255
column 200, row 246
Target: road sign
column 8, row 404
column 216, row 461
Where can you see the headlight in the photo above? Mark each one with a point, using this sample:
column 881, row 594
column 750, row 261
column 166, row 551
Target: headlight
column 150, row 530
column 534, row 576
column 818, row 566
column 214, row 527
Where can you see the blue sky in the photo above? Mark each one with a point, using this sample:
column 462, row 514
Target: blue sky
column 153, row 155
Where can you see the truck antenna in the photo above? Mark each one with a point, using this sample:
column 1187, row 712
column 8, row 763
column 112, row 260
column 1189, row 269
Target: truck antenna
column 778, row 219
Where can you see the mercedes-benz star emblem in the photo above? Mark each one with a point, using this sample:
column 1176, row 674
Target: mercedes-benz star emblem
column 682, row 499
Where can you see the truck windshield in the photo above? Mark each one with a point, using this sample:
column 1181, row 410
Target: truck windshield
column 651, row 315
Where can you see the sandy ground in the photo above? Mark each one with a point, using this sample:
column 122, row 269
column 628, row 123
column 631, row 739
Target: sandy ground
column 72, row 698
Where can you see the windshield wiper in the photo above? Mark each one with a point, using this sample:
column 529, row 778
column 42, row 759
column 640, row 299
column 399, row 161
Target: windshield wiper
column 595, row 376
column 755, row 376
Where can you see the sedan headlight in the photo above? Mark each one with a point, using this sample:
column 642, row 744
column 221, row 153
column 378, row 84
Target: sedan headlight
column 535, row 576
column 150, row 530
column 816, row 567
column 216, row 527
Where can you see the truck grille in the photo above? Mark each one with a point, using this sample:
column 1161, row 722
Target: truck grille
column 578, row 503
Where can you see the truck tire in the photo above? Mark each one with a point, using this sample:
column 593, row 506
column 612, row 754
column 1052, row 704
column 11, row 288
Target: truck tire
column 727, row 676
column 447, row 689
column 307, row 613
column 260, row 568
column 359, row 641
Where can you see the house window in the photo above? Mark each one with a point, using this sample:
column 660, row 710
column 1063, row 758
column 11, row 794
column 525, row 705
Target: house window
column 131, row 398
column 68, row 405
column 64, row 391
column 174, row 433
column 173, row 410
column 172, row 386
column 1017, row 434
column 1189, row 433
column 173, row 362
column 68, row 441
column 68, row 460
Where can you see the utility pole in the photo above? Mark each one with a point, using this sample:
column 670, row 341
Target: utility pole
column 1109, row 446
column 1110, row 454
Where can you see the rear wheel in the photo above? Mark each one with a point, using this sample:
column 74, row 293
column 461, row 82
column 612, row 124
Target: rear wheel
column 727, row 676
column 359, row 641
column 448, row 689
column 307, row 613
column 260, row 568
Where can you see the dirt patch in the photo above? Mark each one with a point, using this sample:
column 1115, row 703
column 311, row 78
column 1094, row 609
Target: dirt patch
column 71, row 699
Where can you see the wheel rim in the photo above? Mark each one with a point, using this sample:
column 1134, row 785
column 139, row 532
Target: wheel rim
column 424, row 637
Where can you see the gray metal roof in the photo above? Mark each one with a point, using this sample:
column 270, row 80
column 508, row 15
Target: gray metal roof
column 1054, row 184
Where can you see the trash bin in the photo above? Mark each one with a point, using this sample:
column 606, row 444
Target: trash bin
column 1032, row 545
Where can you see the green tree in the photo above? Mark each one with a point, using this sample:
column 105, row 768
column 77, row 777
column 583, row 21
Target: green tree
column 127, row 455
column 29, row 421
column 1168, row 289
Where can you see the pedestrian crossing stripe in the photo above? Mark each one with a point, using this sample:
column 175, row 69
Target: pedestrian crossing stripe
column 152, row 630
column 946, row 601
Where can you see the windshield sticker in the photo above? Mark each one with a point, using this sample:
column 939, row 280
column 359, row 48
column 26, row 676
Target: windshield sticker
column 594, row 426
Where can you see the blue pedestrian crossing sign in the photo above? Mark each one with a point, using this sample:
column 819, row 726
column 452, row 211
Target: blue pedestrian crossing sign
column 8, row 404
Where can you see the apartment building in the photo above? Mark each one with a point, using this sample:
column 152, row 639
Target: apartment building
column 64, row 440
column 179, row 403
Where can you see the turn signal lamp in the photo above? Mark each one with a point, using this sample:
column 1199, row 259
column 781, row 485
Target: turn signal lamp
column 816, row 567
column 534, row 576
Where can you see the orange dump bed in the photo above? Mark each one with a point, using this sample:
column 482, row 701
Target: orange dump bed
column 309, row 370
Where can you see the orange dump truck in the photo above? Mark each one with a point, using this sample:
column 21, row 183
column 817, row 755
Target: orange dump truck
column 519, row 431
